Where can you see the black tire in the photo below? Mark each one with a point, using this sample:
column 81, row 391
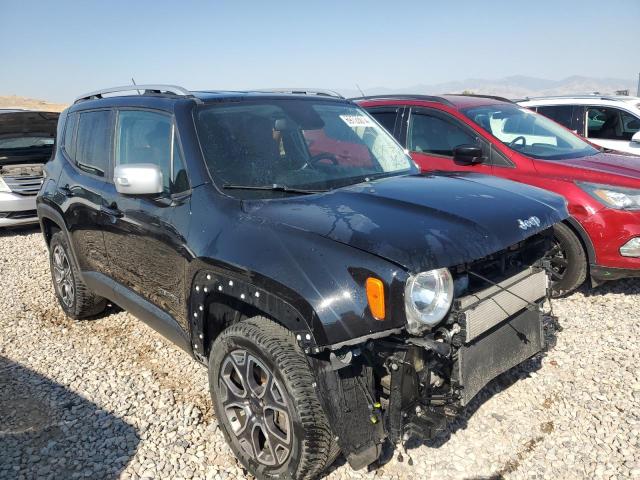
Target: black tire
column 74, row 296
column 568, row 261
column 284, row 371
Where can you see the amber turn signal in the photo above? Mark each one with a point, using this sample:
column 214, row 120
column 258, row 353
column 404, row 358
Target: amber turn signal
column 375, row 297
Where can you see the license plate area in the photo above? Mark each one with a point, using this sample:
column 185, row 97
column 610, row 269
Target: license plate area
column 496, row 351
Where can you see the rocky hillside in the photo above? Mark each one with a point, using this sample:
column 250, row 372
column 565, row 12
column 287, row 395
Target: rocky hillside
column 14, row 101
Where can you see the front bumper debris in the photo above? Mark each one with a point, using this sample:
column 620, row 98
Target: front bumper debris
column 395, row 388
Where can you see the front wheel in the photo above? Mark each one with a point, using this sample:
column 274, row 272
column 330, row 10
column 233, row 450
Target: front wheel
column 264, row 396
column 568, row 261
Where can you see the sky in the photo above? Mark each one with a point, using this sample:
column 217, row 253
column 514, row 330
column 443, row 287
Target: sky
column 58, row 49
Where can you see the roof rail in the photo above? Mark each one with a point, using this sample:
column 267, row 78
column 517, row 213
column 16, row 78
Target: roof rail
column 158, row 89
column 426, row 98
column 479, row 95
column 596, row 96
column 301, row 91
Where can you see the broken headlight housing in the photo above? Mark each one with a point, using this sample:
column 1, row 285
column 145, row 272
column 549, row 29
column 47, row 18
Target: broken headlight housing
column 427, row 299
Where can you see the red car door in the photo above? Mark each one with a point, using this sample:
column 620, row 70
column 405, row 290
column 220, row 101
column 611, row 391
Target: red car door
column 432, row 136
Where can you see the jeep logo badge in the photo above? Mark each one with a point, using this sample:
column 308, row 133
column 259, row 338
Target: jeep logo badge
column 528, row 223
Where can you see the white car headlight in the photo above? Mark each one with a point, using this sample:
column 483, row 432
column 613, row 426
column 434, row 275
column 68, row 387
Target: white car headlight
column 3, row 186
column 427, row 298
column 620, row 198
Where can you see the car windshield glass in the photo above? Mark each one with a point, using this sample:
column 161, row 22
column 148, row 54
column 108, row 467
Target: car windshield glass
column 294, row 145
column 529, row 133
column 25, row 142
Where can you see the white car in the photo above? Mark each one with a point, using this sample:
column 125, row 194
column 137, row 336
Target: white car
column 612, row 122
column 26, row 143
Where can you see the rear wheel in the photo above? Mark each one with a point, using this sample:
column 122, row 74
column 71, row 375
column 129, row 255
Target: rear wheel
column 568, row 261
column 266, row 403
column 74, row 296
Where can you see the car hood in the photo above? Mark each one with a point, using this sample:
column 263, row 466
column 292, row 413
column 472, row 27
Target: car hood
column 15, row 124
column 625, row 165
column 422, row 221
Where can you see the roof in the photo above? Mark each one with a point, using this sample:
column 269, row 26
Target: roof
column 218, row 95
column 177, row 92
column 451, row 100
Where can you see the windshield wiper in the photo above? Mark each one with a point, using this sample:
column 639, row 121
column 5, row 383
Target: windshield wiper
column 274, row 188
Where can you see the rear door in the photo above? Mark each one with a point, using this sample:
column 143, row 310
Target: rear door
column 82, row 184
column 146, row 235
column 432, row 136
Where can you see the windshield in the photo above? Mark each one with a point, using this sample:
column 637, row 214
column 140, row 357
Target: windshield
column 295, row 144
column 529, row 133
column 25, row 142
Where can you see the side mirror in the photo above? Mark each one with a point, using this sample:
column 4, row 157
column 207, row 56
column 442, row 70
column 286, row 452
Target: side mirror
column 138, row 179
column 636, row 137
column 468, row 154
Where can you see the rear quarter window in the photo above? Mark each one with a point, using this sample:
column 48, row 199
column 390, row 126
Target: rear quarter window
column 70, row 135
column 93, row 142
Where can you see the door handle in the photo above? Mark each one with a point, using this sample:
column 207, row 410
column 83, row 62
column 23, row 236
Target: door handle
column 112, row 210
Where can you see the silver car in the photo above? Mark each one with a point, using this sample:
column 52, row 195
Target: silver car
column 26, row 143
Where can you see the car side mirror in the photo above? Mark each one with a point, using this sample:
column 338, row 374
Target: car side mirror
column 636, row 137
column 138, row 179
column 468, row 154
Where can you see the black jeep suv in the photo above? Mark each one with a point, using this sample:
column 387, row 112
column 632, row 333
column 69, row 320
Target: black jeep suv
column 339, row 298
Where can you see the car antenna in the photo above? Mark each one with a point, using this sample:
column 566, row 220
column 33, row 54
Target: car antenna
column 134, row 82
column 360, row 90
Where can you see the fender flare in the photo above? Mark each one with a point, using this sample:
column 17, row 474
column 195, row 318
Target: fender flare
column 302, row 321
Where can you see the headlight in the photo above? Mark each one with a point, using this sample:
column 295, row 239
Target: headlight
column 427, row 298
column 619, row 198
column 3, row 186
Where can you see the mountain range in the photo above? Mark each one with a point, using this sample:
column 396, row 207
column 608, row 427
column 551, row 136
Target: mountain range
column 513, row 87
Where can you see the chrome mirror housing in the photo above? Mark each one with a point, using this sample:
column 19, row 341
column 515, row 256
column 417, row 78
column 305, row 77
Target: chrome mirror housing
column 138, row 179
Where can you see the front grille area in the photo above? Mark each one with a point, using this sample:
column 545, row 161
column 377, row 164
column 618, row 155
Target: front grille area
column 502, row 265
column 485, row 309
column 19, row 215
column 24, row 184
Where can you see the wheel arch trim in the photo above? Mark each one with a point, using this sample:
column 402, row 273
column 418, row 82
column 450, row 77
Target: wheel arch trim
column 206, row 284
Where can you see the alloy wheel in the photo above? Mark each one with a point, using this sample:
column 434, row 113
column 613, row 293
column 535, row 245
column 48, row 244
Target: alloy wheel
column 63, row 276
column 256, row 408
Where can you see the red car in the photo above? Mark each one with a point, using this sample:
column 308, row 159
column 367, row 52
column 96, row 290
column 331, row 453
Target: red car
column 494, row 136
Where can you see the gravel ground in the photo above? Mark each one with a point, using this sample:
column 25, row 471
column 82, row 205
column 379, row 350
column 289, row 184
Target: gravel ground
column 110, row 398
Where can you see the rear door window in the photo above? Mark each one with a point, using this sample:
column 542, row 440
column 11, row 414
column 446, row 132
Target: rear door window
column 70, row 135
column 562, row 114
column 385, row 117
column 93, row 144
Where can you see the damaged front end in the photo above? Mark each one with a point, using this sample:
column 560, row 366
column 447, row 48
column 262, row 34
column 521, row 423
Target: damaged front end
column 409, row 385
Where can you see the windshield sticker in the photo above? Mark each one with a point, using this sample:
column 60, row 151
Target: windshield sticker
column 355, row 121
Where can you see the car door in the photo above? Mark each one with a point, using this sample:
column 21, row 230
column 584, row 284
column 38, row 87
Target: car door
column 432, row 136
column 146, row 236
column 612, row 128
column 83, row 181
